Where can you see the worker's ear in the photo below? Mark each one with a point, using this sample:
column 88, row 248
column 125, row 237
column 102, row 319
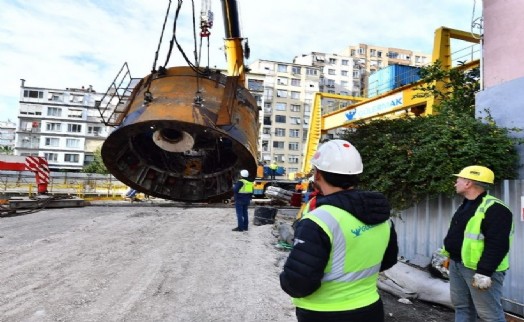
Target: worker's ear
column 316, row 176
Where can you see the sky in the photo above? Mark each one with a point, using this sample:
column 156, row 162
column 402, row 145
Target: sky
column 69, row 44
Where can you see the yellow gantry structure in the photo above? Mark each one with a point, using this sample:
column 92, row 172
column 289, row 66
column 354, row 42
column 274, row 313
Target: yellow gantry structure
column 400, row 100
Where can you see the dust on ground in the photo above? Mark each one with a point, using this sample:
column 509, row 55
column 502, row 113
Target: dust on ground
column 121, row 263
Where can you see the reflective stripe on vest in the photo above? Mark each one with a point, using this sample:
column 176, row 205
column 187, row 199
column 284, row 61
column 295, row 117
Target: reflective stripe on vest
column 247, row 186
column 350, row 276
column 473, row 245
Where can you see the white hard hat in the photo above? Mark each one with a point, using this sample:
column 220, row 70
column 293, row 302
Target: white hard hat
column 338, row 156
column 244, row 173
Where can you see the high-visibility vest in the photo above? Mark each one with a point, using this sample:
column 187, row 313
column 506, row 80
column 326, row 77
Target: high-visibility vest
column 351, row 273
column 247, row 186
column 473, row 244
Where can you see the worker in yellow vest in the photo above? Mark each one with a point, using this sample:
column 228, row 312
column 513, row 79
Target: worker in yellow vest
column 341, row 246
column 478, row 243
column 273, row 169
column 243, row 191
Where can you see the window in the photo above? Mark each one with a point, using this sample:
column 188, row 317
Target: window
column 356, row 74
column 278, row 144
column 51, row 156
column 265, row 146
column 331, row 83
column 344, row 72
column 280, row 106
column 281, row 93
column 268, row 94
column 57, row 97
column 293, row 146
column 295, row 82
column 361, row 51
column 255, row 85
column 74, row 128
column 379, row 54
column 311, row 71
column 332, row 61
column 266, row 130
column 94, row 130
column 280, row 132
column 293, row 133
column 267, row 120
column 281, row 68
column 53, row 127
column 331, row 72
column 345, row 62
column 295, row 108
column 76, row 98
column 280, row 119
column 353, row 52
column 74, row 113
column 33, row 94
column 73, row 143
column 282, row 81
column 296, row 70
column 295, row 95
column 52, row 141
column 293, row 159
column 54, row 111
column 74, row 158
column 294, row 120
column 373, row 52
column 344, row 84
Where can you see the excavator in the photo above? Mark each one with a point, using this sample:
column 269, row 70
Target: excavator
column 184, row 133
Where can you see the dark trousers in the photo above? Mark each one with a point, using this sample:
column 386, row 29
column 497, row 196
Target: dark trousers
column 370, row 313
column 241, row 210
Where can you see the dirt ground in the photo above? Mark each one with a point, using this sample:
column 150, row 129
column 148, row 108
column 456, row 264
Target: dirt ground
column 150, row 263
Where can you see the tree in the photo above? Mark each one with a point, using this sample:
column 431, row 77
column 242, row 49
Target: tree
column 97, row 166
column 409, row 159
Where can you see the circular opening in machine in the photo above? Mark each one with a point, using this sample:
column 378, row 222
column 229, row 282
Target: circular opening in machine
column 173, row 140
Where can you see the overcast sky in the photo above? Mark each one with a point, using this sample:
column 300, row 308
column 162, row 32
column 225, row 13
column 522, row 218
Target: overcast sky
column 69, row 44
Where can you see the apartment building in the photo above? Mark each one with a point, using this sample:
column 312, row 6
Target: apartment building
column 369, row 58
column 62, row 125
column 7, row 136
column 287, row 91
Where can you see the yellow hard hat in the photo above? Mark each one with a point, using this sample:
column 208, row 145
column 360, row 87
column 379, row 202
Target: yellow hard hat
column 477, row 173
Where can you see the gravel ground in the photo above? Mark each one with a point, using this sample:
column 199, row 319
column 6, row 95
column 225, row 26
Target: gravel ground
column 138, row 263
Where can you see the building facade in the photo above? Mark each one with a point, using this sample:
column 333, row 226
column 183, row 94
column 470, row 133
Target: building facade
column 7, row 136
column 287, row 91
column 64, row 126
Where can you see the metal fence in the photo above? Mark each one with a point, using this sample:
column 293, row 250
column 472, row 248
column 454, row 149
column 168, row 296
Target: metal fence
column 421, row 230
column 83, row 185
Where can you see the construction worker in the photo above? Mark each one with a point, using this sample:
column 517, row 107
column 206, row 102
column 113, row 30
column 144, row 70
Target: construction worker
column 243, row 190
column 341, row 246
column 273, row 168
column 478, row 243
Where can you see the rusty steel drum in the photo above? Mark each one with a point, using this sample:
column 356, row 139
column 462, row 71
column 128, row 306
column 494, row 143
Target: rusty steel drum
column 184, row 135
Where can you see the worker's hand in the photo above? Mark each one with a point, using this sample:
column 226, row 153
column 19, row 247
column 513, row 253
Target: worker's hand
column 482, row 282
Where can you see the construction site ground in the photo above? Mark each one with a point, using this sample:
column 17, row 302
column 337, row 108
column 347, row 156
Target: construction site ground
column 151, row 261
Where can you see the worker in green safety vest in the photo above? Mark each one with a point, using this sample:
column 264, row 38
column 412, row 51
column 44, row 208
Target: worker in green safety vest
column 477, row 243
column 273, row 169
column 243, row 190
column 341, row 245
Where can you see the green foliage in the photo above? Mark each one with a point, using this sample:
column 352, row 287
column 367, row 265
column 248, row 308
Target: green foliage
column 6, row 149
column 455, row 88
column 409, row 159
column 97, row 166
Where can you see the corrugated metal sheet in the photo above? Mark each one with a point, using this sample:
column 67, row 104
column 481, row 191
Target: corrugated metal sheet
column 391, row 77
column 422, row 228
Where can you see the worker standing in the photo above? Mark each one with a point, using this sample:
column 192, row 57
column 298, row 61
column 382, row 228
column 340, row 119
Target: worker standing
column 273, row 167
column 341, row 246
column 478, row 243
column 243, row 190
